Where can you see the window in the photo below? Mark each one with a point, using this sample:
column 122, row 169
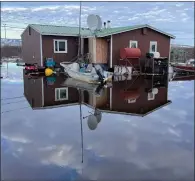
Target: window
column 133, row 44
column 131, row 101
column 151, row 96
column 153, row 46
column 61, row 94
column 60, row 46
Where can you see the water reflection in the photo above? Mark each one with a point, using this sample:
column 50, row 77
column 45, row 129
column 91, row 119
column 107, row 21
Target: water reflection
column 45, row 144
column 138, row 96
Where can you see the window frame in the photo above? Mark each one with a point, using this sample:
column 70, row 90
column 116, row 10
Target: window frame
column 61, row 99
column 60, row 40
column 133, row 41
column 151, row 96
column 153, row 43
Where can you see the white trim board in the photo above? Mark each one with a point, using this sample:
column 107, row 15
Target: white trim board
column 133, row 41
column 41, row 50
column 42, row 91
column 111, row 51
column 153, row 43
column 61, row 99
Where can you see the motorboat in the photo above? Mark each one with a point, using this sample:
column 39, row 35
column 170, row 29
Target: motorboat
column 74, row 71
column 185, row 67
column 89, row 74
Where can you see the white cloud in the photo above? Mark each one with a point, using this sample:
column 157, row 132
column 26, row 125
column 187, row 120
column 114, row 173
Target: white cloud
column 164, row 20
column 185, row 19
column 174, row 132
column 62, row 156
column 137, row 13
column 17, row 138
column 179, row 4
column 133, row 18
column 13, row 9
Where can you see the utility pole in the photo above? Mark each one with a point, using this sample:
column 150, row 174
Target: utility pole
column 5, row 44
column 79, row 47
column 5, row 31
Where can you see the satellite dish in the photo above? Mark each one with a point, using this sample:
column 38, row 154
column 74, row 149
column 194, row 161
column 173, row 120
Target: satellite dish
column 92, row 22
column 99, row 26
column 92, row 122
column 98, row 115
column 155, row 91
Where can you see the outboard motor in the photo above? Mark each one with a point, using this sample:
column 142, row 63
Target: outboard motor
column 99, row 72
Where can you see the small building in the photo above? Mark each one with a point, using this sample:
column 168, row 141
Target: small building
column 61, row 43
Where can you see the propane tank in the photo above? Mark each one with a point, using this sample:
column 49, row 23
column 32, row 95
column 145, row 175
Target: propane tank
column 130, row 53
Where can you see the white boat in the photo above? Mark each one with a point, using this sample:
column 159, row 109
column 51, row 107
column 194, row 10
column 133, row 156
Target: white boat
column 70, row 82
column 73, row 70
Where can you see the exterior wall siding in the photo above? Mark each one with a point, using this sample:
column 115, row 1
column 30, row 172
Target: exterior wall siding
column 31, row 52
column 143, row 37
column 141, row 102
column 119, row 104
column 48, row 48
column 33, row 91
column 49, row 93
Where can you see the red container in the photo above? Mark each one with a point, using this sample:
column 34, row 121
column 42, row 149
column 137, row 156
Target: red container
column 130, row 53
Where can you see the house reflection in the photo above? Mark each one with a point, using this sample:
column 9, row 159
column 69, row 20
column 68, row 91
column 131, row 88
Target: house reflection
column 137, row 96
column 44, row 92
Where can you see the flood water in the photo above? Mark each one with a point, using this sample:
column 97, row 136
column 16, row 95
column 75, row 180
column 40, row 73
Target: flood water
column 46, row 135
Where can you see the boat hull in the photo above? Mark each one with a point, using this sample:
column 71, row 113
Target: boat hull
column 86, row 77
column 184, row 68
column 90, row 78
column 71, row 82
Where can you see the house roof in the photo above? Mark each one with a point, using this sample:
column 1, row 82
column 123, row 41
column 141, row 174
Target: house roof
column 74, row 31
column 132, row 114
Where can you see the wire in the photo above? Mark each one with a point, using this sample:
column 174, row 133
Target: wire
column 14, row 109
column 12, row 98
column 14, row 102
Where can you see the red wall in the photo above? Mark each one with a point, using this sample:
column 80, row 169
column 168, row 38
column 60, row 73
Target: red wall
column 122, row 41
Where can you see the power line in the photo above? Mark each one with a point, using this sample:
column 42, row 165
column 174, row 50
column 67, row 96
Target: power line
column 14, row 110
column 13, row 102
column 12, row 98
column 16, row 27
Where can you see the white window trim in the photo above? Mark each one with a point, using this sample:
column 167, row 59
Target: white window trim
column 133, row 41
column 63, row 88
column 131, row 101
column 58, row 40
column 153, row 43
column 151, row 96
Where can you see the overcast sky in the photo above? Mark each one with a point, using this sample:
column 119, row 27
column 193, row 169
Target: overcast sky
column 176, row 18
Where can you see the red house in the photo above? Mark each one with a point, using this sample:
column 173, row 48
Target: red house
column 61, row 43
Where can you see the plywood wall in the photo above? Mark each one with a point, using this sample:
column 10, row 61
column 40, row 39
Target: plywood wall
column 98, row 49
column 101, row 50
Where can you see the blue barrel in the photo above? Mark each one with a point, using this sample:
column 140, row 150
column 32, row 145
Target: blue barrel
column 50, row 62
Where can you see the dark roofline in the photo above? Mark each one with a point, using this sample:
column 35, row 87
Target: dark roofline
column 131, row 114
column 55, row 106
column 136, row 27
